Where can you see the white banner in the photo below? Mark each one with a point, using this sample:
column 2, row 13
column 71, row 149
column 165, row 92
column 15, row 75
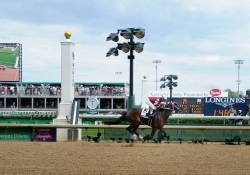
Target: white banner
column 185, row 94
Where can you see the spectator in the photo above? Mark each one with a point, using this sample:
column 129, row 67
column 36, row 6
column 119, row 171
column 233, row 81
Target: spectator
column 232, row 112
column 248, row 115
column 239, row 121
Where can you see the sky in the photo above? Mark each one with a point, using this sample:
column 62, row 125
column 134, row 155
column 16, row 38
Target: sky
column 196, row 40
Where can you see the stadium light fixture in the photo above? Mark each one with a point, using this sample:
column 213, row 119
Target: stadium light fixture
column 163, row 79
column 127, row 33
column 124, row 47
column 139, row 33
column 162, row 86
column 113, row 36
column 175, row 77
column 127, row 47
column 139, row 47
column 112, row 51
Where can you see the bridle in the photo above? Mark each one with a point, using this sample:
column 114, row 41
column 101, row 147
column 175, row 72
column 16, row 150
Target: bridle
column 171, row 106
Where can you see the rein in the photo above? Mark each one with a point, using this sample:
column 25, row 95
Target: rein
column 166, row 108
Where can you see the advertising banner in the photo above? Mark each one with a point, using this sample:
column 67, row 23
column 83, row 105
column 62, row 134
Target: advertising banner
column 211, row 93
column 44, row 134
column 224, row 106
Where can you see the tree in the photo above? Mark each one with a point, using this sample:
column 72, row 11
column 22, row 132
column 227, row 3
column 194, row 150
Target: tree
column 231, row 93
column 248, row 93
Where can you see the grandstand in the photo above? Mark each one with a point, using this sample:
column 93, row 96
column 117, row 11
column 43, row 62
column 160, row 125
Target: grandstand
column 37, row 103
column 45, row 96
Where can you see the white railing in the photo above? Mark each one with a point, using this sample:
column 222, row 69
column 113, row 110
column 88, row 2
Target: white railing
column 11, row 112
column 179, row 127
column 177, row 116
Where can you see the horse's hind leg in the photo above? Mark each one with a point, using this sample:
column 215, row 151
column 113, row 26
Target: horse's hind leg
column 132, row 130
column 129, row 129
column 136, row 133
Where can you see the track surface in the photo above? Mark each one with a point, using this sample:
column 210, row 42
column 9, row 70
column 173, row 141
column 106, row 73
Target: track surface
column 123, row 159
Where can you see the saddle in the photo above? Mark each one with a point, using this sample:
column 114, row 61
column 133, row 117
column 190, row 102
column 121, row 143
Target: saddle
column 149, row 118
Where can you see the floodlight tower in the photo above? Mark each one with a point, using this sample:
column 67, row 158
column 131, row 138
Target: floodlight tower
column 156, row 62
column 238, row 62
column 126, row 47
column 168, row 81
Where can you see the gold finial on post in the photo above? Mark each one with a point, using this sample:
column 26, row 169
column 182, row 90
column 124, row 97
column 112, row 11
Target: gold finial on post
column 67, row 35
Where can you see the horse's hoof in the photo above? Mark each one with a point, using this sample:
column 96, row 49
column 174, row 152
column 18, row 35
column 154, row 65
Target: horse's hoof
column 155, row 140
column 134, row 137
column 140, row 137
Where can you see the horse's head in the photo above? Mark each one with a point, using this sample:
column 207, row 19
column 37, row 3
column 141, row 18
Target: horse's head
column 171, row 106
column 175, row 107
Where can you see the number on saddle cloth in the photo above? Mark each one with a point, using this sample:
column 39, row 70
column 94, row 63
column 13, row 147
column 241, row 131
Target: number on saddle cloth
column 144, row 112
column 146, row 117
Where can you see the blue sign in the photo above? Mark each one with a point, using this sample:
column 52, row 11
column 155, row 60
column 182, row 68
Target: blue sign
column 221, row 106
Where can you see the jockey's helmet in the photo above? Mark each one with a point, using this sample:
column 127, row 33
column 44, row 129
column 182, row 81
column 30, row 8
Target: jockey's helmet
column 157, row 101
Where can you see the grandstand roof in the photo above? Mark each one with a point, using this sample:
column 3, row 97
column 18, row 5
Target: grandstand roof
column 78, row 83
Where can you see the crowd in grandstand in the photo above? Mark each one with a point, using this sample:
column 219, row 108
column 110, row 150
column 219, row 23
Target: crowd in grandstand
column 55, row 90
column 100, row 90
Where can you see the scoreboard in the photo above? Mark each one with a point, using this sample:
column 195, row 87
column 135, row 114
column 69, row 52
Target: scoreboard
column 190, row 105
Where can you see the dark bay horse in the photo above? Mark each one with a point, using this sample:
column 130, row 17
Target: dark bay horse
column 160, row 117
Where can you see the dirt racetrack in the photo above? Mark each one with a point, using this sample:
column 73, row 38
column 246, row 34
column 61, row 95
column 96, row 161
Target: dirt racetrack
column 65, row 158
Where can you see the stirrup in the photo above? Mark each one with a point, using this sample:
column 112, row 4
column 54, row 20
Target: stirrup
column 150, row 116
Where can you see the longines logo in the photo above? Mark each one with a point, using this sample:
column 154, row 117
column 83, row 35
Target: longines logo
column 224, row 101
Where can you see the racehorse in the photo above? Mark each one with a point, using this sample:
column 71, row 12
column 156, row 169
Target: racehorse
column 157, row 122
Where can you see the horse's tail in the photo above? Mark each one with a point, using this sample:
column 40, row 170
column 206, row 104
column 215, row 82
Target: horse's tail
column 122, row 118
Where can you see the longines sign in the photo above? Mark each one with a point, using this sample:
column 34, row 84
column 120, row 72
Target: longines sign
column 224, row 101
column 219, row 106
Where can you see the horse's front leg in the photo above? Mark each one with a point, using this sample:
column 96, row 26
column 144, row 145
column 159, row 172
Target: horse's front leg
column 138, row 135
column 152, row 133
column 161, row 135
column 149, row 137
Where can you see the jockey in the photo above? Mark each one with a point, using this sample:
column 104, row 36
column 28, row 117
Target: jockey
column 152, row 104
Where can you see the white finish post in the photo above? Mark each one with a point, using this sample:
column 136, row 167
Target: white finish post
column 67, row 86
column 67, row 79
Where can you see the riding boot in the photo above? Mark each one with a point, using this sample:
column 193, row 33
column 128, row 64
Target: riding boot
column 148, row 114
column 151, row 115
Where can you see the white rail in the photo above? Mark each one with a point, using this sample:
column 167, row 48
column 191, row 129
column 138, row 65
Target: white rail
column 178, row 116
column 180, row 127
